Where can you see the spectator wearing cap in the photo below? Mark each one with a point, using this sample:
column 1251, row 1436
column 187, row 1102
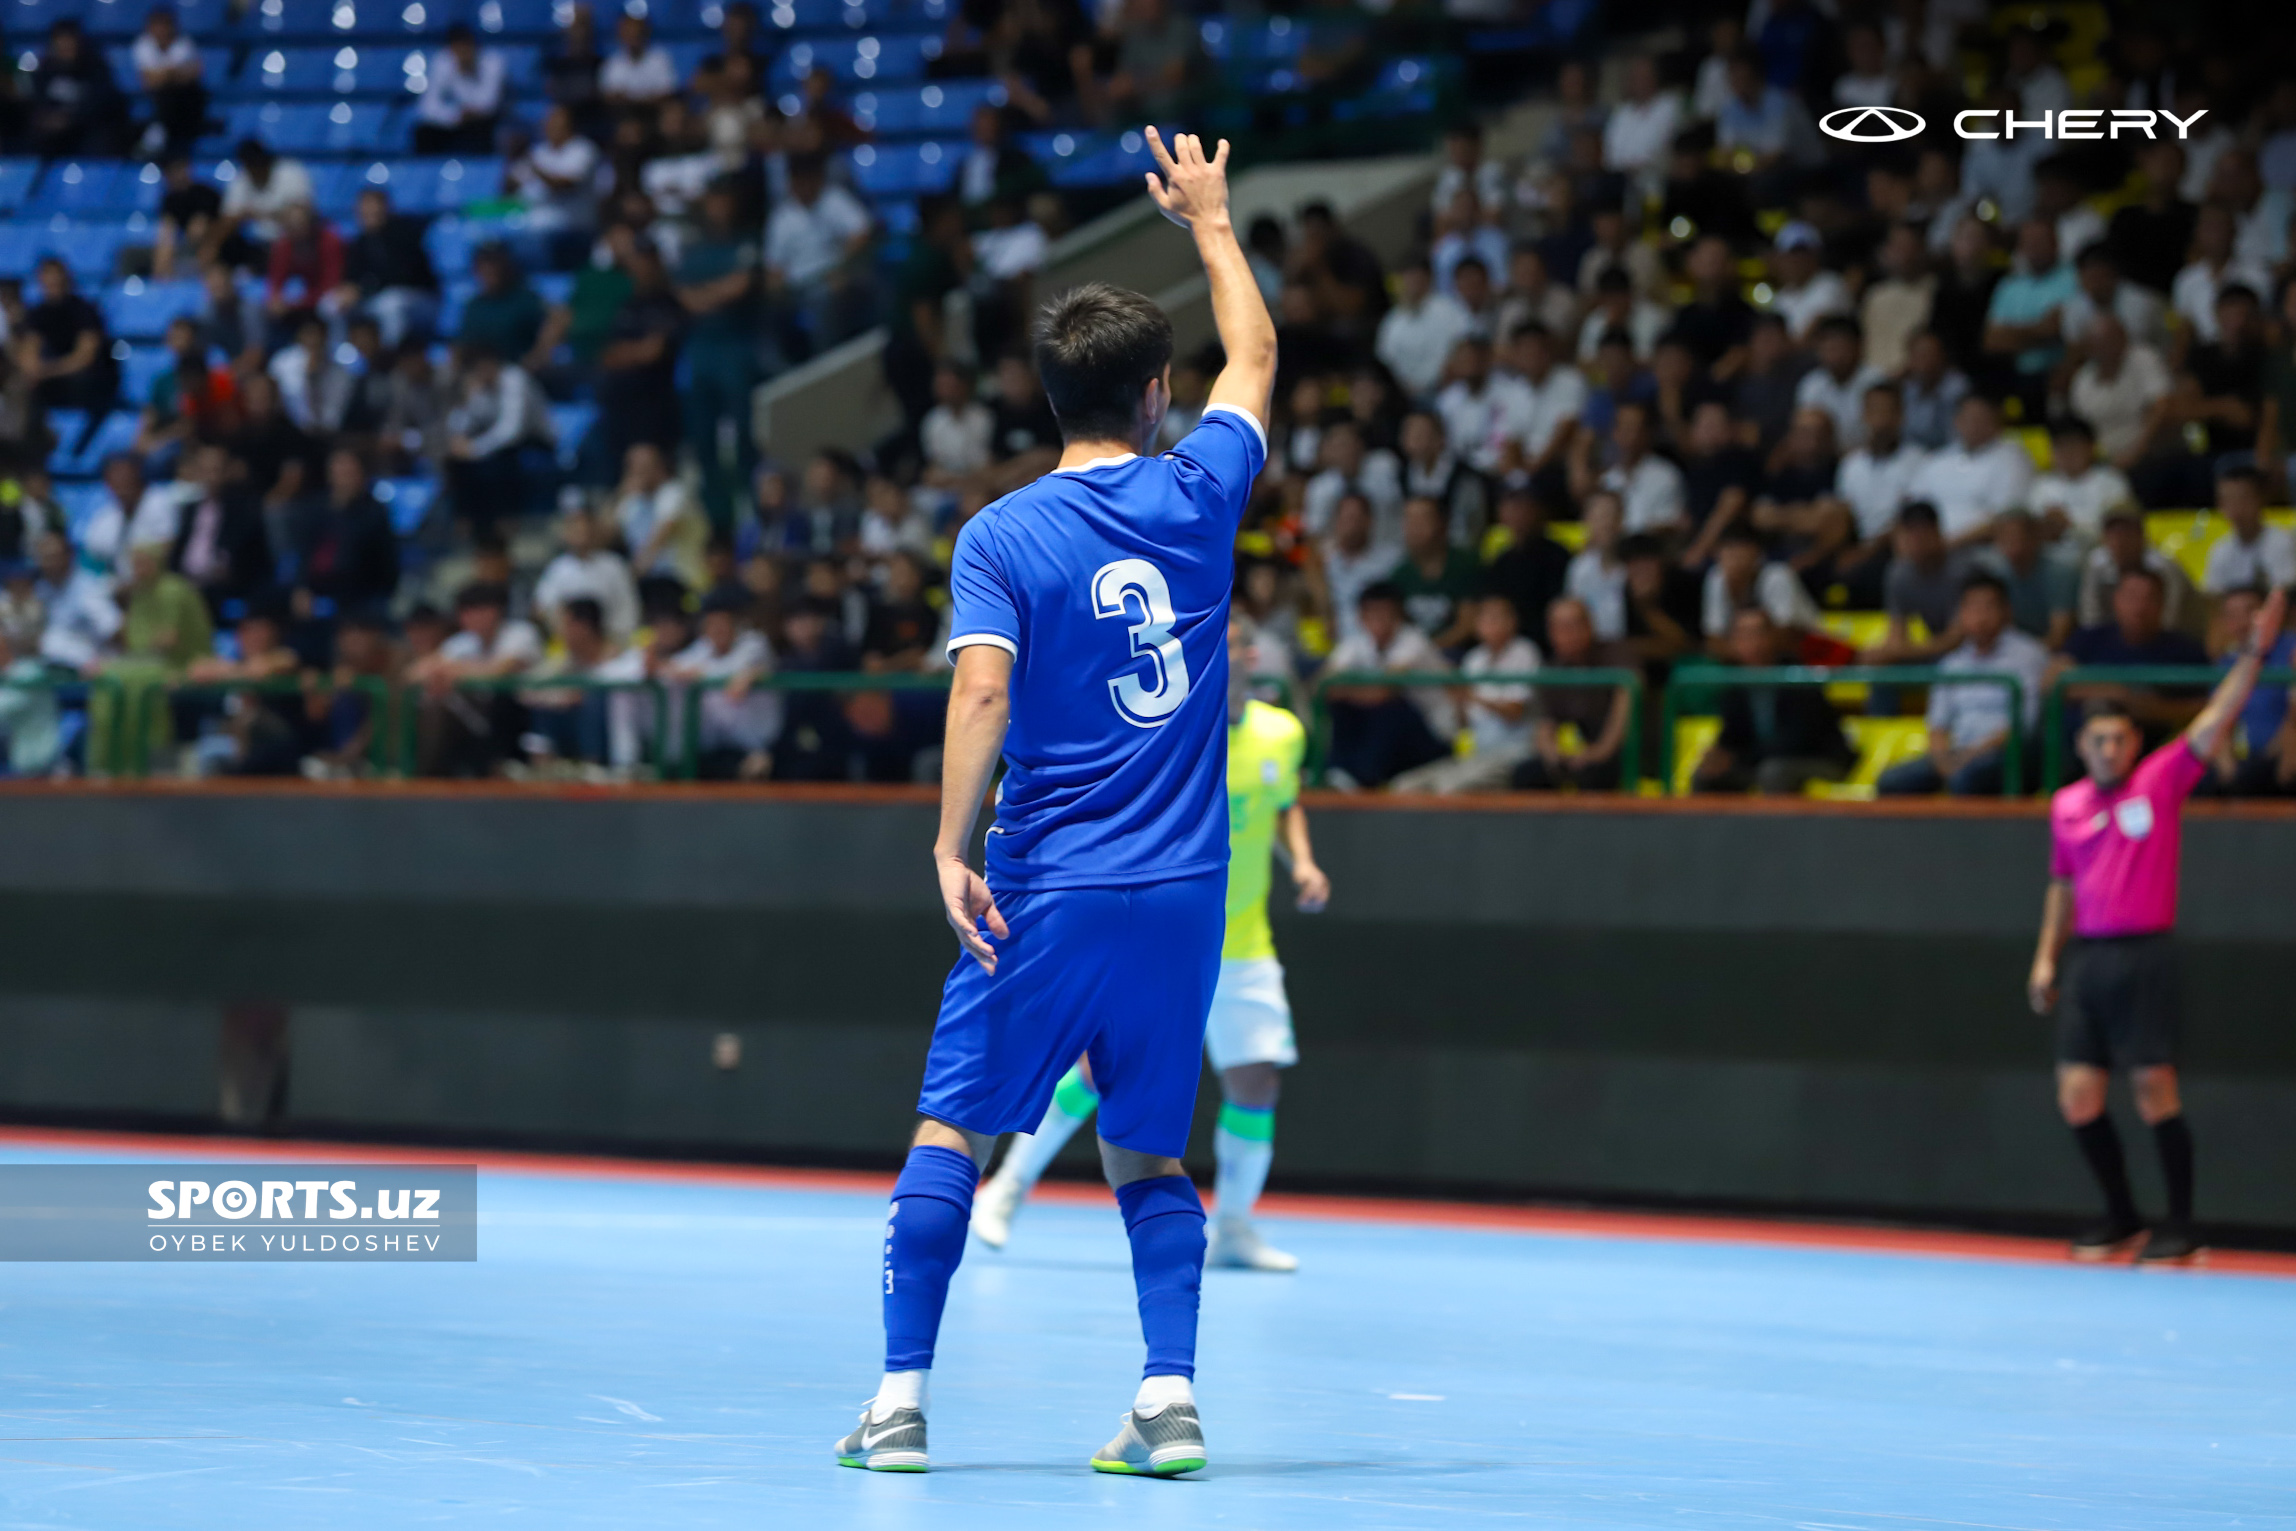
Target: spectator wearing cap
column 2043, row 589
column 1976, row 478
column 1773, row 739
column 464, row 99
column 637, row 76
column 1970, row 722
column 2101, row 289
column 2073, row 496
column 2250, row 553
column 168, row 67
column 2122, row 549
column 263, row 185
column 1417, row 335
column 1805, row 290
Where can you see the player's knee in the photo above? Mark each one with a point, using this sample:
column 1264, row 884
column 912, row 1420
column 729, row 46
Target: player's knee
column 938, row 1134
column 2157, row 1096
column 2081, row 1097
column 1125, row 1165
column 1255, row 1085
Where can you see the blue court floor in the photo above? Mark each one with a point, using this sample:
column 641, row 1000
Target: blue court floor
column 670, row 1354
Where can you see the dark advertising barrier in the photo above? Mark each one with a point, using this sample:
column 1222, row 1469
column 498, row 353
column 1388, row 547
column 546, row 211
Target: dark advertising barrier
column 1819, row 1010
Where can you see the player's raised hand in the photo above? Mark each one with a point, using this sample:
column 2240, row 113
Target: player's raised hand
column 2266, row 632
column 1192, row 186
column 968, row 903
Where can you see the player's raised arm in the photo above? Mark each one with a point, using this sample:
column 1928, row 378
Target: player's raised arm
column 2207, row 730
column 1193, row 192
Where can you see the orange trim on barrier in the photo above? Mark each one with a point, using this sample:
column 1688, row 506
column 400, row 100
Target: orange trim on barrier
column 1558, row 1222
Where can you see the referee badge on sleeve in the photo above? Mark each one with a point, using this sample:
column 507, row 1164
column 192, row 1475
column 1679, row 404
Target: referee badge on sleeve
column 2135, row 816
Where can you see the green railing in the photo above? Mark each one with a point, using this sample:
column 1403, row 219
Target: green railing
column 2054, row 736
column 140, row 704
column 1613, row 678
column 2012, row 752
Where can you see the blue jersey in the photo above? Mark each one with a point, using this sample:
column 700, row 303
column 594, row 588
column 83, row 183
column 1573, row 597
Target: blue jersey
column 1109, row 586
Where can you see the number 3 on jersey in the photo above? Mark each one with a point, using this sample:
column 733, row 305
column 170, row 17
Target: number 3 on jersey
column 1134, row 587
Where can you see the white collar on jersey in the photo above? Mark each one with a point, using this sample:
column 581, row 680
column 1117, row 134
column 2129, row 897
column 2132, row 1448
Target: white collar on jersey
column 1100, row 462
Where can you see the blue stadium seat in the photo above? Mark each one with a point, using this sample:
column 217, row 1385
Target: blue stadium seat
column 16, row 179
column 83, row 188
column 116, row 434
column 91, row 250
column 857, row 60
column 364, row 68
column 1277, row 40
column 905, row 170
column 21, row 244
column 687, row 54
column 898, row 218
column 113, row 18
column 553, row 287
column 571, row 423
column 453, row 294
column 524, row 18
column 140, row 369
column 821, row 15
column 463, row 181
column 937, row 110
column 522, row 68
column 1101, row 162
column 77, row 501
column 140, row 310
column 409, row 501
column 321, row 127
column 28, row 19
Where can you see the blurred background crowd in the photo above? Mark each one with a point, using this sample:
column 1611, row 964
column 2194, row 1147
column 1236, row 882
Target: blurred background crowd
column 380, row 384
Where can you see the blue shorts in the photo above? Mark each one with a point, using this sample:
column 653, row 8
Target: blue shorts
column 1121, row 975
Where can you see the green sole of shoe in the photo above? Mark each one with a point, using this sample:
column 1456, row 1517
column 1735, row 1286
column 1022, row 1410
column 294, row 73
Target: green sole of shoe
column 1168, row 1470
column 890, row 1467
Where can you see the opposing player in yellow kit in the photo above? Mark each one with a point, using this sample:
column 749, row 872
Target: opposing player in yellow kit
column 1249, row 1034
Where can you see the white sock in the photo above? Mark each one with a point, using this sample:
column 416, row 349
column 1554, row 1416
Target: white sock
column 1242, row 1170
column 1156, row 1392
column 901, row 1390
column 1033, row 1152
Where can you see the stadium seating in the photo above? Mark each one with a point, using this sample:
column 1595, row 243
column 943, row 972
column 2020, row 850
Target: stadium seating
column 141, row 310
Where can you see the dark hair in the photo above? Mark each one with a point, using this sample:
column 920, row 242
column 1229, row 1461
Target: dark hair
column 586, row 610
column 2149, row 573
column 1840, row 324
column 2074, row 425
column 2097, row 253
column 1739, row 531
column 1097, row 347
column 1640, row 545
column 423, row 612
column 482, row 593
column 1614, row 279
column 1380, row 590
column 1464, row 261
column 2241, row 473
column 2237, row 292
column 460, row 32
column 1919, row 513
column 2099, row 712
column 1986, row 579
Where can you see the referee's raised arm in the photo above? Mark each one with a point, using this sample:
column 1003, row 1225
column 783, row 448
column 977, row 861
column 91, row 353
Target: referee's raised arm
column 1193, row 192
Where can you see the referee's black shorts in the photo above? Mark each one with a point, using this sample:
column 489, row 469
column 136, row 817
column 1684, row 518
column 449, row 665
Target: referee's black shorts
column 2122, row 1004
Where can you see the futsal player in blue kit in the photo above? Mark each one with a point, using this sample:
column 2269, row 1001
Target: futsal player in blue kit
column 1090, row 643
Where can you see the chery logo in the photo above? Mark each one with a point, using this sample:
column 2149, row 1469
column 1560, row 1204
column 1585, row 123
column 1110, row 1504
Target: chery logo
column 1893, row 124
column 1871, row 124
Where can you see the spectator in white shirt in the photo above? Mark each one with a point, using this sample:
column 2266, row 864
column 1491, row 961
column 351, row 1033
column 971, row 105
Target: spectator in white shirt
column 1981, row 475
column 814, row 244
column 1838, row 384
column 1417, row 335
column 2102, row 290
column 131, row 514
column 2116, row 389
column 1532, row 296
column 1465, row 231
column 2252, row 553
column 1379, row 732
column 80, row 606
column 1482, row 410
column 1806, row 290
column 314, row 388
column 1616, row 307
column 263, row 186
column 557, row 178
column 1596, row 578
column 2214, row 267
column 168, row 67
column 1970, row 722
column 1741, row 576
column 1347, row 466
column 1465, row 165
column 955, row 433
column 2072, row 497
column 1556, row 396
column 1649, row 486
column 1351, row 562
column 637, row 75
column 1641, row 128
column 501, row 412
column 587, row 568
column 1501, row 718
column 459, row 109
column 740, row 719
column 660, row 523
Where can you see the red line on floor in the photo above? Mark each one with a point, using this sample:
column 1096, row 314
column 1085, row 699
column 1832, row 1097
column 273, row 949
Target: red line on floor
column 1564, row 1222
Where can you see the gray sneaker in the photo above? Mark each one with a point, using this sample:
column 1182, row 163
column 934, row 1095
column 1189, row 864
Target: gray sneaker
column 895, row 1444
column 1163, row 1444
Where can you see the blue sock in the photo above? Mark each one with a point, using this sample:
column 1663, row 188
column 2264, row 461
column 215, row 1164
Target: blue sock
column 924, row 1240
column 1165, row 1219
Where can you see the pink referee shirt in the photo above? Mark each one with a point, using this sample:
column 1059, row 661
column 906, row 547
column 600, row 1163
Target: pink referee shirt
column 2119, row 848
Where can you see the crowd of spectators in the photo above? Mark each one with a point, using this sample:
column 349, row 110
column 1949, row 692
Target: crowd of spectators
column 1659, row 395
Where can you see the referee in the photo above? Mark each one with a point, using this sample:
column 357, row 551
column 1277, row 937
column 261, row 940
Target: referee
column 2112, row 888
